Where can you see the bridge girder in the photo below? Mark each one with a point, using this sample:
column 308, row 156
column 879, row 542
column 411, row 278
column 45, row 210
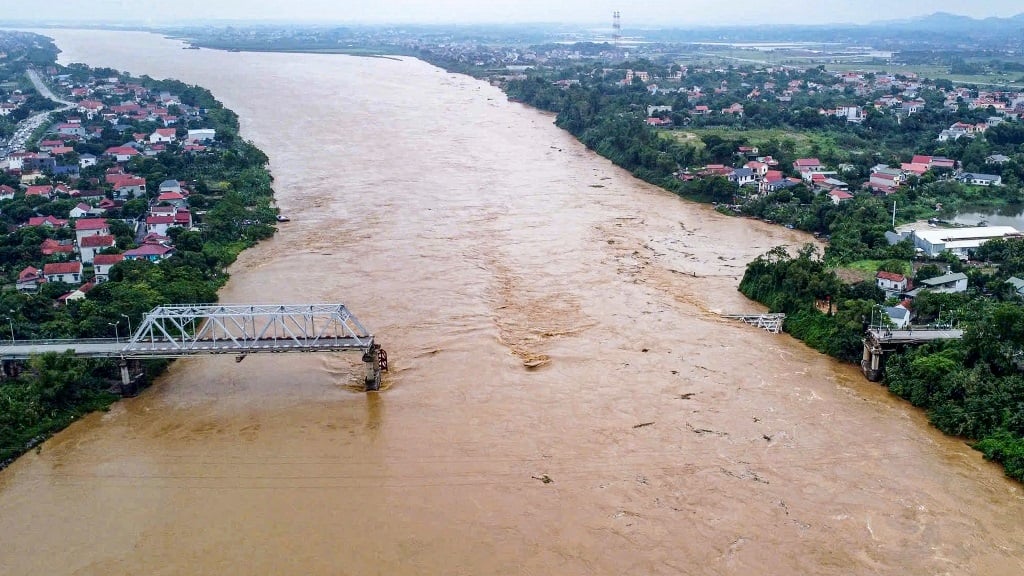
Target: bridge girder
column 190, row 329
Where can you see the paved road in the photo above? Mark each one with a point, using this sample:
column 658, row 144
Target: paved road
column 45, row 90
column 29, row 125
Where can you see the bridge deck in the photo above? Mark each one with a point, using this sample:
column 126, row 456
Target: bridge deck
column 168, row 349
column 883, row 336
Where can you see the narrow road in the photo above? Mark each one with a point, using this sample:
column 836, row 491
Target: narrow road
column 45, row 90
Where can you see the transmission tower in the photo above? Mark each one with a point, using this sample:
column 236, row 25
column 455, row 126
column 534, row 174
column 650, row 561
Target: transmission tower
column 616, row 27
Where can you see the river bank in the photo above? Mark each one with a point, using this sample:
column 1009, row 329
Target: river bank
column 53, row 390
column 467, row 246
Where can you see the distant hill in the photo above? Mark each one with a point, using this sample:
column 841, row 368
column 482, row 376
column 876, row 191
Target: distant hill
column 952, row 23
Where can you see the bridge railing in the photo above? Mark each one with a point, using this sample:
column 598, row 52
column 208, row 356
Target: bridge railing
column 58, row 341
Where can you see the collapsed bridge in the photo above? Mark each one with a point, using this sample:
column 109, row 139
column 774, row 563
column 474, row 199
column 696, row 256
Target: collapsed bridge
column 181, row 330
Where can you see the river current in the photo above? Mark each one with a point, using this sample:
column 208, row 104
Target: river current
column 564, row 396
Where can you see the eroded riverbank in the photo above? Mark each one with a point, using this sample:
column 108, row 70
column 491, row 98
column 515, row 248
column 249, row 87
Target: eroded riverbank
column 472, row 236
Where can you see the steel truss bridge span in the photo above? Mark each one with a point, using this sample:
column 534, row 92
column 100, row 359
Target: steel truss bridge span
column 181, row 330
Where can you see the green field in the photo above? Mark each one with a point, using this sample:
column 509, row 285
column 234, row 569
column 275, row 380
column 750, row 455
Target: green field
column 739, row 56
column 864, row 270
column 803, row 143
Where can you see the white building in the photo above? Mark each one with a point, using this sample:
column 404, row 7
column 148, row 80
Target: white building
column 959, row 241
column 956, row 282
column 202, row 134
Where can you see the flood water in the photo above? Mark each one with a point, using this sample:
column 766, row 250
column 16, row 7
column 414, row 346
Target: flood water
column 475, row 238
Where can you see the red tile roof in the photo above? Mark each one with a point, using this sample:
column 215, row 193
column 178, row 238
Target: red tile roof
column 891, row 276
column 39, row 190
column 91, row 224
column 98, row 241
column 107, row 259
column 149, row 250
column 74, row 267
column 43, row 220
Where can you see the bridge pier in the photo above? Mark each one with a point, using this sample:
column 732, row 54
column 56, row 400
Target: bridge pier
column 375, row 360
column 10, row 369
column 131, row 374
column 872, row 362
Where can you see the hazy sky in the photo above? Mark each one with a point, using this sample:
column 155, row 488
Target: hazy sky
column 634, row 12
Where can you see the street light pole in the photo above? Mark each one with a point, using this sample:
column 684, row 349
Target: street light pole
column 129, row 319
column 12, row 328
column 114, row 324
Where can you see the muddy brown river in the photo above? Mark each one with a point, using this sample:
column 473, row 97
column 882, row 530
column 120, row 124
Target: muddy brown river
column 475, row 238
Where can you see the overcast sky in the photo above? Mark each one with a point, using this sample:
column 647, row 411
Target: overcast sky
column 634, row 12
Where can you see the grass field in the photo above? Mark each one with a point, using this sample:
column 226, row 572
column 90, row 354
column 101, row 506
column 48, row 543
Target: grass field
column 732, row 55
column 804, row 143
column 864, row 270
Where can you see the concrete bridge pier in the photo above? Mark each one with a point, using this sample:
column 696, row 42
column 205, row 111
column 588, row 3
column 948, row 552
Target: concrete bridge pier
column 375, row 360
column 10, row 369
column 131, row 374
column 873, row 362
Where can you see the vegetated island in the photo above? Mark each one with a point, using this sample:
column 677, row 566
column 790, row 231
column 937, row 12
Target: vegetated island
column 843, row 153
column 129, row 194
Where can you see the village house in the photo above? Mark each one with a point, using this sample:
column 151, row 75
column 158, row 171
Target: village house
column 92, row 245
column 149, row 252
column 90, row 227
column 948, row 283
column 50, row 247
column 892, row 283
column 6, row 192
column 852, row 114
column 808, row 165
column 838, row 196
column 71, row 130
column 760, row 169
column 976, row 179
column 899, row 315
column 741, row 176
column 173, row 198
column 76, row 294
column 159, row 224
column 102, row 263
column 121, row 153
column 126, row 186
column 29, row 279
column 81, row 210
column 166, row 135
column 48, row 221
column 735, row 109
column 70, row 272
column 42, row 191
column 886, row 180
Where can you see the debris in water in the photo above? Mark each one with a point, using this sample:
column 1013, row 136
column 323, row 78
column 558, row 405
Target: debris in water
column 536, row 361
column 702, row 431
column 543, row 478
column 642, row 424
column 687, row 396
column 766, row 437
